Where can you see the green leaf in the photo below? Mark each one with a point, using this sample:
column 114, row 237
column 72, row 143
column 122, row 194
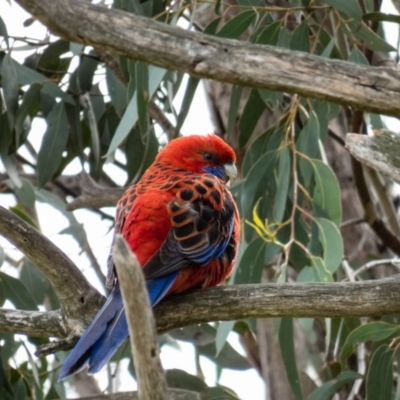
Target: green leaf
column 379, row 16
column 350, row 8
column 251, row 114
column 358, row 57
column 9, row 82
column 300, row 39
column 321, row 273
column 211, row 28
column 328, row 389
column 327, row 192
column 237, row 25
column 130, row 117
column 53, row 143
column 332, row 244
column 234, row 103
column 179, row 379
column 3, row 33
column 16, row 292
column 117, row 91
column 218, row 393
column 370, row 38
column 375, row 331
column 286, row 344
column 35, row 281
column 328, row 49
column 87, row 67
column 190, row 91
column 380, row 374
column 142, row 94
column 284, row 172
column 223, row 331
column 250, row 266
column 56, row 92
column 270, row 34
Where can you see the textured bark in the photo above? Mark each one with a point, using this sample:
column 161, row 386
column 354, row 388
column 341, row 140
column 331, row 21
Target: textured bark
column 366, row 88
column 145, row 351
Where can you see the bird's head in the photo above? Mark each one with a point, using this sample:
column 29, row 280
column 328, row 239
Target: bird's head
column 201, row 154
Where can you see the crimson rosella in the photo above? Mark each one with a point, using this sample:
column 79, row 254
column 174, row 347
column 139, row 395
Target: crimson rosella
column 183, row 225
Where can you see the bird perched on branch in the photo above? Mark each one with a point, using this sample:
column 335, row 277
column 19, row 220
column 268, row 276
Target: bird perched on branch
column 182, row 223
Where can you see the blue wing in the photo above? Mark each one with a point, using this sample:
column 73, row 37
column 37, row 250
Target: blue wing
column 108, row 330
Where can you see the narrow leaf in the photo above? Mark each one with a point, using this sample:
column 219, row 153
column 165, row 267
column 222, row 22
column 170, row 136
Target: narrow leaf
column 117, row 91
column 286, row 343
column 332, row 244
column 284, row 173
column 142, row 93
column 10, row 88
column 375, row 331
column 237, row 25
column 234, row 102
column 130, row 117
column 321, row 273
column 250, row 116
column 16, row 292
column 300, row 39
column 380, row 374
column 350, row 8
column 53, row 143
column 223, row 331
column 327, row 192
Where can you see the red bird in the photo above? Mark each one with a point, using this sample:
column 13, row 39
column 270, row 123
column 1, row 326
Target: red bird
column 183, row 225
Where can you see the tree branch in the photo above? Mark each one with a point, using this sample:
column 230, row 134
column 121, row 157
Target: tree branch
column 145, row 352
column 93, row 195
column 325, row 300
column 77, row 297
column 380, row 152
column 362, row 87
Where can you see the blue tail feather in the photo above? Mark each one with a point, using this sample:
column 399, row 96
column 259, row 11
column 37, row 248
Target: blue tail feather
column 109, row 329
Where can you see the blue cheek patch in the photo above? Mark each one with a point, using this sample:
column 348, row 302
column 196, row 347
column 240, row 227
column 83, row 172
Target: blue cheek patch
column 217, row 171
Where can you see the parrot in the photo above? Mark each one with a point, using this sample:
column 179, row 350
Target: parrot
column 182, row 223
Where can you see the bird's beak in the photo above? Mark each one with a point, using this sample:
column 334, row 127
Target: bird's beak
column 230, row 172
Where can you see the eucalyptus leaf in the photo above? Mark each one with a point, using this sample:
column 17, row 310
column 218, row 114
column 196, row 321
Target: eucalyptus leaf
column 237, row 25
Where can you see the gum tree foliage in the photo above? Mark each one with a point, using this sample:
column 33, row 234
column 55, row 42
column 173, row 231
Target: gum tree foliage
column 105, row 109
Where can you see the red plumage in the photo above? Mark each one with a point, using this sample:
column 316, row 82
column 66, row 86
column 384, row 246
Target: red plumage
column 143, row 216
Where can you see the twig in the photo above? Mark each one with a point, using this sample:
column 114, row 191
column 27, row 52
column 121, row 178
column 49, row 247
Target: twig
column 372, row 264
column 94, row 195
column 151, row 379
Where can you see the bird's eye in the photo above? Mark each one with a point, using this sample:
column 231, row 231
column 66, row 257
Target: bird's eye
column 208, row 156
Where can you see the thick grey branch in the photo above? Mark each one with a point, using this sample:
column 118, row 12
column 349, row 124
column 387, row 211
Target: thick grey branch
column 380, row 152
column 151, row 379
column 77, row 297
column 347, row 299
column 366, row 88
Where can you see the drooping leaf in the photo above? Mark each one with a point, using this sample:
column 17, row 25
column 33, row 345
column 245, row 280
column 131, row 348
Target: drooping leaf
column 328, row 389
column 130, row 117
column 10, row 88
column 270, row 34
column 117, row 91
column 332, row 244
column 251, row 114
column 369, row 37
column 350, row 8
column 375, row 331
column 16, row 292
column 178, row 379
column 53, row 144
column 190, row 91
column 286, row 344
column 327, row 192
column 284, row 173
column 233, row 108
column 237, row 25
column 223, row 330
column 358, row 57
column 380, row 374
column 321, row 272
column 4, row 33
column 142, row 94
column 300, row 39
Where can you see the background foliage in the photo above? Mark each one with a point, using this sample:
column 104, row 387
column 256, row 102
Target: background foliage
column 110, row 112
